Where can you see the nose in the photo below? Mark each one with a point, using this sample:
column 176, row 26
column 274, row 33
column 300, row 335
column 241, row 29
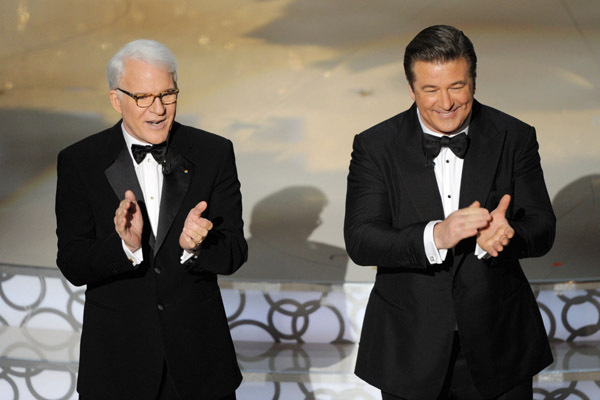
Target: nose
column 446, row 101
column 157, row 106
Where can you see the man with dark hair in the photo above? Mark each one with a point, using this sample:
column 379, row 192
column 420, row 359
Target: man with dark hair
column 148, row 213
column 445, row 198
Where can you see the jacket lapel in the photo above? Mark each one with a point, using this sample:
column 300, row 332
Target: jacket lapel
column 175, row 183
column 418, row 178
column 121, row 173
column 479, row 169
column 122, row 177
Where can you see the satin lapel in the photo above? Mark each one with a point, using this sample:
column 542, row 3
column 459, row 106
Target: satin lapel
column 175, row 185
column 481, row 162
column 419, row 179
column 121, row 174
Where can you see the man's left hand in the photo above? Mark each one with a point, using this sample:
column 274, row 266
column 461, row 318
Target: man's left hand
column 195, row 228
column 498, row 233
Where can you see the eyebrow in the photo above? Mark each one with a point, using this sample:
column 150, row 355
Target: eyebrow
column 152, row 94
column 461, row 82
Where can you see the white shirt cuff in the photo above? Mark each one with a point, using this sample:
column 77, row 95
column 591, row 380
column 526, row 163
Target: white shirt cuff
column 481, row 253
column 434, row 255
column 135, row 258
column 186, row 256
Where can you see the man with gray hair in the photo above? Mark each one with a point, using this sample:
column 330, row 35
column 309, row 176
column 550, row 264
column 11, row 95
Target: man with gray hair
column 148, row 213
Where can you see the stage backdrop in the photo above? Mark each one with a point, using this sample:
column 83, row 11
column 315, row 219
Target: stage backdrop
column 291, row 82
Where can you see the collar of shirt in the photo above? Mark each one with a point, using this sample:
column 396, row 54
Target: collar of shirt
column 129, row 140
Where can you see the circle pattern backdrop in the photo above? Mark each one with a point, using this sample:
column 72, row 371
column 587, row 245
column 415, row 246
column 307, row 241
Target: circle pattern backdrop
column 41, row 319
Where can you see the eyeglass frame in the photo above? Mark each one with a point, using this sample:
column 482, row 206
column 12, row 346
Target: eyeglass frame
column 160, row 95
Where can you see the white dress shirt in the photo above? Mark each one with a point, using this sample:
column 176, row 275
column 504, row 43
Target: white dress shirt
column 448, row 174
column 150, row 178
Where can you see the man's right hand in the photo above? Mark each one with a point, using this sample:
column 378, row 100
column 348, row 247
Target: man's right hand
column 129, row 222
column 459, row 225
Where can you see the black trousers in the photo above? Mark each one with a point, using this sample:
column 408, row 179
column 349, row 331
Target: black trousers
column 458, row 384
column 228, row 397
column 167, row 389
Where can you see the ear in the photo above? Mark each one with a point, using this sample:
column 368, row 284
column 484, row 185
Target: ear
column 115, row 101
column 412, row 93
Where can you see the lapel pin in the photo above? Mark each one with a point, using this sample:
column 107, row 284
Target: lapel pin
column 185, row 171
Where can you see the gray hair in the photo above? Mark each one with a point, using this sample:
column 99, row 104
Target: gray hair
column 149, row 51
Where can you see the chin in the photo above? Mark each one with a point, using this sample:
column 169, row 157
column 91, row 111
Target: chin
column 158, row 137
column 448, row 129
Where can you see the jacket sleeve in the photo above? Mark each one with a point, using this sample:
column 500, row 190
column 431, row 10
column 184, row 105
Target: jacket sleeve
column 531, row 213
column 224, row 250
column 89, row 249
column 369, row 231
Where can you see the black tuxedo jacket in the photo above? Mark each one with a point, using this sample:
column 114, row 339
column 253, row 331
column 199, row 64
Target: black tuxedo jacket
column 415, row 307
column 138, row 317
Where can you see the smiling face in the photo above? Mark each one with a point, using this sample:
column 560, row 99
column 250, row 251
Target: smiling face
column 152, row 124
column 443, row 93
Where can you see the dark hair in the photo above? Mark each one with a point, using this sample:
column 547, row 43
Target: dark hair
column 439, row 44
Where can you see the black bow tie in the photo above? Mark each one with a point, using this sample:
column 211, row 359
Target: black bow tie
column 158, row 151
column 432, row 145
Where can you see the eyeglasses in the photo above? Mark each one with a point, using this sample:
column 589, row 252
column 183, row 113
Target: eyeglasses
column 145, row 100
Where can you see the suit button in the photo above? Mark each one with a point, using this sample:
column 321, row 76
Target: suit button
column 157, row 270
column 160, row 307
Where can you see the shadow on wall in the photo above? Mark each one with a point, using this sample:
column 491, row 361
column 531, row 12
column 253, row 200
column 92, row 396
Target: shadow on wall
column 279, row 249
column 29, row 144
column 576, row 249
column 31, row 139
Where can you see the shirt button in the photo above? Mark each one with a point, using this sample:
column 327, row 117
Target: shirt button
column 449, row 196
column 161, row 307
column 157, row 270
